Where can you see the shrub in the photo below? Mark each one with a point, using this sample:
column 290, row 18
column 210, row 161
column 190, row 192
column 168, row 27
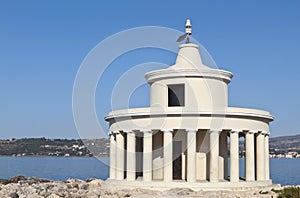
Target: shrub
column 290, row 192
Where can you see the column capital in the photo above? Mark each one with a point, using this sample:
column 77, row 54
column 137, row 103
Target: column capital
column 251, row 132
column 115, row 132
column 166, row 130
column 191, row 130
column 128, row 131
column 263, row 132
column 236, row 131
column 147, row 133
column 131, row 132
column 111, row 134
column 214, row 131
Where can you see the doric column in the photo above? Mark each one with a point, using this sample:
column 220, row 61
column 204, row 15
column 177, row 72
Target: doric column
column 250, row 172
column 112, row 156
column 267, row 162
column 147, row 156
column 120, row 156
column 191, row 155
column 214, row 156
column 234, row 156
column 168, row 155
column 260, row 157
column 223, row 153
column 131, row 169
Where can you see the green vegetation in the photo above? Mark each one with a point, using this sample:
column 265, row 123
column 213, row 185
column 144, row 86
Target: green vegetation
column 275, row 191
column 288, row 192
column 53, row 147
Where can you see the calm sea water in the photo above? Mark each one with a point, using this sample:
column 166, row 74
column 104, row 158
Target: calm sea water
column 283, row 171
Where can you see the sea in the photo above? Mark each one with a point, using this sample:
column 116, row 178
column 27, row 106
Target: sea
column 283, row 171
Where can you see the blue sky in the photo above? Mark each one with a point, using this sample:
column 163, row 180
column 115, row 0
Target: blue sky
column 42, row 45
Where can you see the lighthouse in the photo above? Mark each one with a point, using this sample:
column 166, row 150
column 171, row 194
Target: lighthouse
column 189, row 136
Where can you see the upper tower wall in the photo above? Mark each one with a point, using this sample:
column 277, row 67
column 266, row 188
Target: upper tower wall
column 189, row 84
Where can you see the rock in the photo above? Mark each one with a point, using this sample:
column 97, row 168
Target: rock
column 3, row 181
column 90, row 179
column 90, row 195
column 73, row 185
column 22, row 187
column 74, row 181
column 34, row 180
column 22, row 179
column 34, row 195
column 53, row 196
column 180, row 191
column 84, row 186
column 95, row 183
column 14, row 195
column 16, row 179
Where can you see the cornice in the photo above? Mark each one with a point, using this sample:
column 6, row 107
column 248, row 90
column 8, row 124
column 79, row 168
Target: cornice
column 179, row 73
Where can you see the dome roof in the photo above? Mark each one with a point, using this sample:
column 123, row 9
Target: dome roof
column 189, row 58
column 188, row 64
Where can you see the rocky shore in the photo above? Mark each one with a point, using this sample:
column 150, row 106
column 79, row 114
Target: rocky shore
column 22, row 187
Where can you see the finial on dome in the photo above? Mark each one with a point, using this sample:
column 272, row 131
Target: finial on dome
column 188, row 32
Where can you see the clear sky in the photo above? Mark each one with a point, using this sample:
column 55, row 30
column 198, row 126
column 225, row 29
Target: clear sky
column 43, row 43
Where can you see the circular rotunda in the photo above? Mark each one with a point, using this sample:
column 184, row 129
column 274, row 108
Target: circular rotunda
column 189, row 136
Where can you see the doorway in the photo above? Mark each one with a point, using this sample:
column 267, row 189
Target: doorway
column 177, row 160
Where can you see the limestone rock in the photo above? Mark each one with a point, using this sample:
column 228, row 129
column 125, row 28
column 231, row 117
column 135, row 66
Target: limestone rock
column 14, row 195
column 53, row 196
column 21, row 187
column 95, row 183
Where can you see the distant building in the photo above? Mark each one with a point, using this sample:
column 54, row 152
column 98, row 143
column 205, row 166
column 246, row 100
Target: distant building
column 183, row 135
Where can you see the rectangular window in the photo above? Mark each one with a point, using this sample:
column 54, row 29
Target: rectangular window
column 176, row 95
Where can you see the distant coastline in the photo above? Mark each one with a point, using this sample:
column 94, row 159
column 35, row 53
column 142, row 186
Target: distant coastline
column 54, row 147
column 280, row 147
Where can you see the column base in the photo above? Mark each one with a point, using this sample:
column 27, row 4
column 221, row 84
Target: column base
column 196, row 186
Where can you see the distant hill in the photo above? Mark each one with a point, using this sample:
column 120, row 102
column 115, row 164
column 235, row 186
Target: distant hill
column 100, row 147
column 286, row 143
column 53, row 147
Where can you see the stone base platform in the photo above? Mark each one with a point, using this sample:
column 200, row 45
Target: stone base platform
column 195, row 186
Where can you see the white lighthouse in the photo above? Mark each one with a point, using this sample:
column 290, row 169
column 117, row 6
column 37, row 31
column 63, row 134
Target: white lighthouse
column 189, row 136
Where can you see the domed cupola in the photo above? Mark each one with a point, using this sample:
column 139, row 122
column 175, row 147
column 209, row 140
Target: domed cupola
column 193, row 85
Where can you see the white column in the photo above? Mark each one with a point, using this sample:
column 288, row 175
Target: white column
column 168, row 155
column 223, row 159
column 112, row 157
column 120, row 156
column 260, row 157
column 250, row 172
column 191, row 155
column 214, row 156
column 131, row 169
column 267, row 162
column 147, row 157
column 234, row 156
